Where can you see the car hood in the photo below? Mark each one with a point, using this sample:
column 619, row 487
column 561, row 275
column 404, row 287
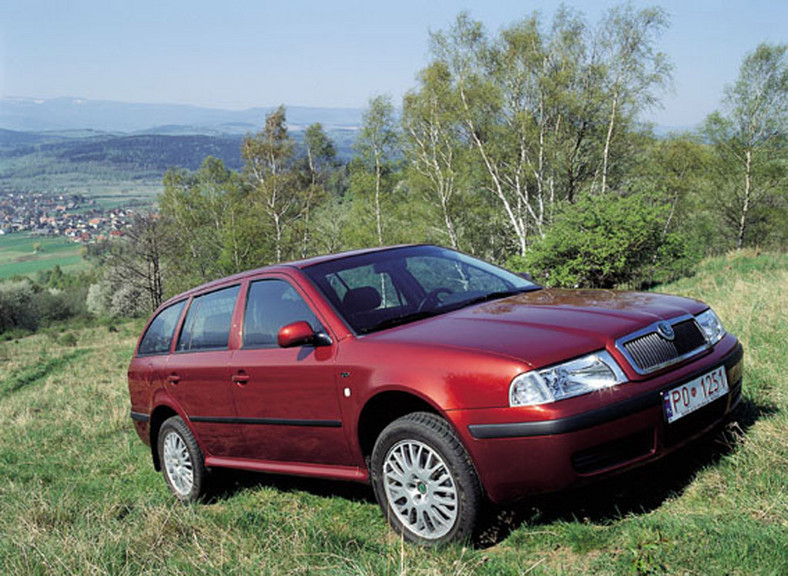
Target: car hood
column 544, row 326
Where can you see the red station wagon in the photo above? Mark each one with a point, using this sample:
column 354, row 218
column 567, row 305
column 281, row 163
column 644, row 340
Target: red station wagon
column 440, row 379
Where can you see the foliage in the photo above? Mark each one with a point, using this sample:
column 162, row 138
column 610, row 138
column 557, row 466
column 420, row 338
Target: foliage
column 607, row 241
column 268, row 157
column 377, row 148
column 545, row 112
column 211, row 225
column 25, row 305
column 319, row 161
column 750, row 138
column 17, row 307
column 430, row 123
column 97, row 299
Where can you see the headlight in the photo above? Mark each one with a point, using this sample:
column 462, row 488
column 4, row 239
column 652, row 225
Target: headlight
column 711, row 326
column 579, row 376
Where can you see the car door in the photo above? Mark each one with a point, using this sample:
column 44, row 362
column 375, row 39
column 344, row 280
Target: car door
column 198, row 372
column 286, row 398
column 148, row 370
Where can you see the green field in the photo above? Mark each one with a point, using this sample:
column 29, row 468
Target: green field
column 78, row 493
column 18, row 256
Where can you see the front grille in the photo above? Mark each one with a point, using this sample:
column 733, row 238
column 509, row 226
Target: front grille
column 616, row 453
column 648, row 351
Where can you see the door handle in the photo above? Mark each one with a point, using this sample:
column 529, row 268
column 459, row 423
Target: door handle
column 173, row 378
column 240, row 378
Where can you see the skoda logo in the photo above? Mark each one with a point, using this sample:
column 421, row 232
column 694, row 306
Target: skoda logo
column 666, row 331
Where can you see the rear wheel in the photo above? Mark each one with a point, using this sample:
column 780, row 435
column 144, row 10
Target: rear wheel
column 181, row 460
column 424, row 480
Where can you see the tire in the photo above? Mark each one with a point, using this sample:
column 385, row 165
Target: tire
column 425, row 481
column 182, row 461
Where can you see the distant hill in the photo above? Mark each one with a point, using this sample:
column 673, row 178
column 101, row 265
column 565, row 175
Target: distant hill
column 38, row 115
column 95, row 163
column 99, row 147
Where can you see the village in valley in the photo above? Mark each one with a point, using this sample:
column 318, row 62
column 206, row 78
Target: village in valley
column 72, row 216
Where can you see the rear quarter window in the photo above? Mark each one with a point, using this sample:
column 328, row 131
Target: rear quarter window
column 158, row 336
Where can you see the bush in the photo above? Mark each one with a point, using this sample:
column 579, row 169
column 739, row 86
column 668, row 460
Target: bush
column 68, row 339
column 54, row 305
column 97, row 300
column 17, row 306
column 126, row 302
column 605, row 241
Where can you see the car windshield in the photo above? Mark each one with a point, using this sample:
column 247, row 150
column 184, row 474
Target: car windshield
column 380, row 290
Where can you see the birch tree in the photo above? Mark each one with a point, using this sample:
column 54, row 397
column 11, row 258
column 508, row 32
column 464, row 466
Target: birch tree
column 750, row 135
column 433, row 144
column 208, row 214
column 635, row 69
column 377, row 146
column 320, row 153
column 267, row 157
column 518, row 97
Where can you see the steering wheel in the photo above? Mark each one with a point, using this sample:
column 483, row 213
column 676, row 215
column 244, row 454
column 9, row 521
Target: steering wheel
column 431, row 299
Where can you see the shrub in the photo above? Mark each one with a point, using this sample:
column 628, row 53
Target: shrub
column 68, row 339
column 53, row 305
column 17, row 306
column 126, row 302
column 97, row 300
column 605, row 241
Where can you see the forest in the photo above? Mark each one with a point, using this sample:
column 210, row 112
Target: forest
column 525, row 147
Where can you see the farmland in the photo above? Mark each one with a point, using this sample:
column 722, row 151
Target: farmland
column 19, row 256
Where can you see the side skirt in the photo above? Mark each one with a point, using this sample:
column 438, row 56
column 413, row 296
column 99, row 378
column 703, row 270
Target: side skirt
column 347, row 473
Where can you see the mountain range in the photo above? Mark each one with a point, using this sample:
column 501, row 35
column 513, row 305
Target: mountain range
column 57, row 114
column 97, row 147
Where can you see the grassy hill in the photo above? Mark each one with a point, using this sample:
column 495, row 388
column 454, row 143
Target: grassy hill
column 79, row 495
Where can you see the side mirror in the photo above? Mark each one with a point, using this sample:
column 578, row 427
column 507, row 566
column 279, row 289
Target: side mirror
column 526, row 275
column 299, row 334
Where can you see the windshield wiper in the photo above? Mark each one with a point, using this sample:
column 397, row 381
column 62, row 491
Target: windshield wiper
column 497, row 295
column 413, row 316
column 398, row 320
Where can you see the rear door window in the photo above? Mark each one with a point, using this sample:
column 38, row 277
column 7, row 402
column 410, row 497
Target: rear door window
column 158, row 336
column 207, row 325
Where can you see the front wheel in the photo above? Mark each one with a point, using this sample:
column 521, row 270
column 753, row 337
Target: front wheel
column 181, row 460
column 425, row 481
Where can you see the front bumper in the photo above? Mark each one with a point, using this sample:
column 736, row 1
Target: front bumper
column 516, row 458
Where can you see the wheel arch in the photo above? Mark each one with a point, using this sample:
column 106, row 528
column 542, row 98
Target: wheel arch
column 382, row 409
column 157, row 418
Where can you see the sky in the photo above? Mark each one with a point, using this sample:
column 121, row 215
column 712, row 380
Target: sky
column 240, row 54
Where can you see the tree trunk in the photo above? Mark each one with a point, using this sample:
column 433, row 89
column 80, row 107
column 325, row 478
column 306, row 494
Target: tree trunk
column 379, row 223
column 746, row 206
column 449, row 224
column 607, row 142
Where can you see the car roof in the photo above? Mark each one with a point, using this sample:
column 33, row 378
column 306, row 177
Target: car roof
column 283, row 266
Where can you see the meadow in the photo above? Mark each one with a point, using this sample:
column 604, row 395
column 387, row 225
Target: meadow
column 78, row 493
column 19, row 257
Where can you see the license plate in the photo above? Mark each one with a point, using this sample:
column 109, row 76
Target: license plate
column 695, row 394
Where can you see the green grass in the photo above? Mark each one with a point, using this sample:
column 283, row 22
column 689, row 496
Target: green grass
column 78, row 493
column 18, row 256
